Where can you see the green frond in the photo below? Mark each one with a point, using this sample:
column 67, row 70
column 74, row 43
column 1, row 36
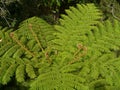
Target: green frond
column 24, row 68
column 58, row 81
column 81, row 25
column 36, row 28
column 33, row 36
column 74, row 27
column 4, row 36
column 106, row 37
column 72, row 68
column 103, row 67
column 29, row 42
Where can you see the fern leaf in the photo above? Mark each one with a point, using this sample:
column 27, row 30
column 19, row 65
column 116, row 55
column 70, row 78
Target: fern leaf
column 59, row 81
column 19, row 53
column 4, row 36
column 30, row 71
column 21, row 47
column 10, row 52
column 23, row 40
column 73, row 27
column 31, row 44
column 7, row 69
column 4, row 48
column 36, row 48
column 109, row 38
column 41, row 29
column 9, row 73
column 72, row 67
column 4, row 66
column 20, row 73
column 81, row 26
column 101, row 67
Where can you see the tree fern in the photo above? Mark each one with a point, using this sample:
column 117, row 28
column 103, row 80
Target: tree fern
column 81, row 54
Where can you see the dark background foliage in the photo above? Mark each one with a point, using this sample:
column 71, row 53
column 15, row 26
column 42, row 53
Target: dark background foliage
column 12, row 12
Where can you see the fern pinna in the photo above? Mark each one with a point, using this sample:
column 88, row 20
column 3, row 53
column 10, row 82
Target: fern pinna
column 81, row 53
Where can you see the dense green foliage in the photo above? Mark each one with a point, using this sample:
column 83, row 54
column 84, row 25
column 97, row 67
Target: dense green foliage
column 81, row 53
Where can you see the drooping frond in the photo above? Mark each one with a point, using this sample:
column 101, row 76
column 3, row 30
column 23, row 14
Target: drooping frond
column 105, row 37
column 55, row 79
column 101, row 72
